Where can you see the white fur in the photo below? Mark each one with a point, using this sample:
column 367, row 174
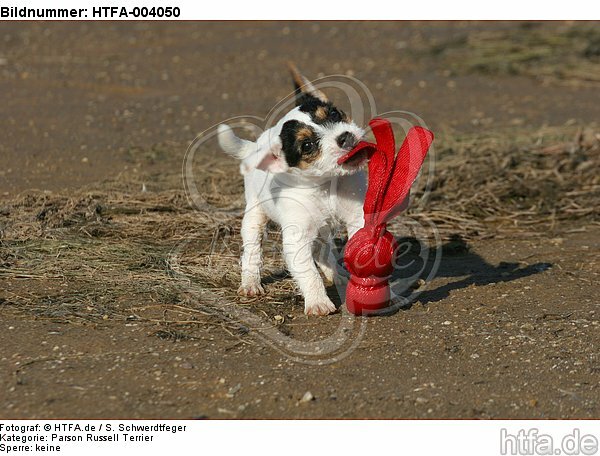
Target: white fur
column 303, row 202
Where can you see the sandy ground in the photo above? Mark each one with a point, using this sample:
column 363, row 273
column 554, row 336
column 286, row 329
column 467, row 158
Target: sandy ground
column 509, row 328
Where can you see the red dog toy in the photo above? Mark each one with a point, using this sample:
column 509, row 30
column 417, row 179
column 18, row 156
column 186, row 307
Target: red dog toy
column 370, row 254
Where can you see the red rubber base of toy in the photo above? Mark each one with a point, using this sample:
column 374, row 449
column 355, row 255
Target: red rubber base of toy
column 367, row 296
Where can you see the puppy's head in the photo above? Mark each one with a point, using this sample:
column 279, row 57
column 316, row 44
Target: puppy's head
column 316, row 133
column 307, row 141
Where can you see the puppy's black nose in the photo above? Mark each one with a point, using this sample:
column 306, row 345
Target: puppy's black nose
column 346, row 140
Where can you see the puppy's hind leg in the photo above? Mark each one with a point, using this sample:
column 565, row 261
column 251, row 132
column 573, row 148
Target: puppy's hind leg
column 253, row 226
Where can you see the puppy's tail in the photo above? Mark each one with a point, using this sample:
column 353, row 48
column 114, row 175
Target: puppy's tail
column 232, row 145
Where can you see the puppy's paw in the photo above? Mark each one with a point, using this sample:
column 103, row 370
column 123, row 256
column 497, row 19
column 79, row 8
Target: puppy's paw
column 251, row 290
column 323, row 307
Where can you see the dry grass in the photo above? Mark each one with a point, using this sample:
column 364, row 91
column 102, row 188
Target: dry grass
column 516, row 184
column 565, row 53
column 109, row 253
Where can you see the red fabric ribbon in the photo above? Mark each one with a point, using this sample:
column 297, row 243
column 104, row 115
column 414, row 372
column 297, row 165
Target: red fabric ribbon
column 369, row 255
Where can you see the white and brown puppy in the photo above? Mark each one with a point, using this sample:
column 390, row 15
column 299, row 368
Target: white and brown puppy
column 292, row 177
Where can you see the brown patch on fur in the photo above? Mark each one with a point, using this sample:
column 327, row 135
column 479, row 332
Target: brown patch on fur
column 304, row 133
column 321, row 113
column 308, row 160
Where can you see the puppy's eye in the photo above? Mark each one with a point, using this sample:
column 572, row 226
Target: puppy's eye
column 308, row 146
column 335, row 115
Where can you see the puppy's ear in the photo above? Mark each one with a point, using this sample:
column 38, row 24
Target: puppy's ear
column 304, row 87
column 265, row 154
column 272, row 158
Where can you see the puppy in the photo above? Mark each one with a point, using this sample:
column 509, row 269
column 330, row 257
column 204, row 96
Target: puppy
column 292, row 177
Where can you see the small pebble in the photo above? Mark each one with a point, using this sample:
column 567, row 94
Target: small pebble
column 233, row 390
column 308, row 396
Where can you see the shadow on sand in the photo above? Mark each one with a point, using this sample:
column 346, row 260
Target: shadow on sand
column 458, row 260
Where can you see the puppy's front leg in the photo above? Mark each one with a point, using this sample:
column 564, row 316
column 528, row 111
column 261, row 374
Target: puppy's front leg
column 253, row 225
column 297, row 250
